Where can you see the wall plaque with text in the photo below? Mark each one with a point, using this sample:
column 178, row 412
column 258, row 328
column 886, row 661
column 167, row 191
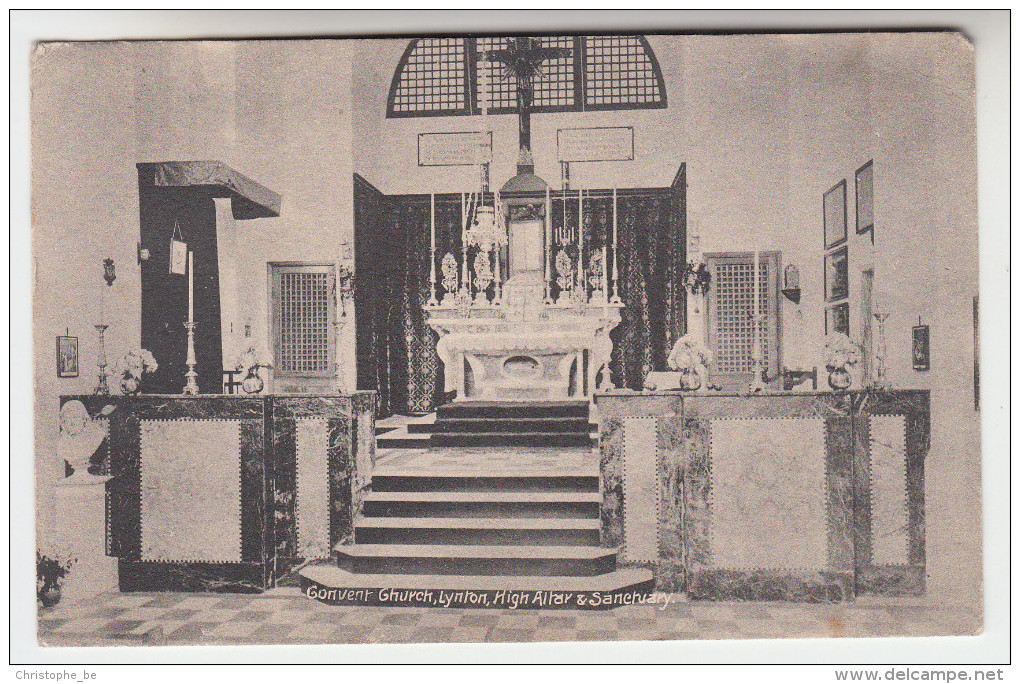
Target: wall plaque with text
column 595, row 144
column 468, row 148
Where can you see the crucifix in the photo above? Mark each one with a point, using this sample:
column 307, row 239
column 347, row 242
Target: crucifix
column 522, row 59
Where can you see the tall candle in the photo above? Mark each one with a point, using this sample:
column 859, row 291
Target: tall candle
column 546, row 252
column 605, row 264
column 616, row 243
column 191, row 286
column 432, row 213
column 563, row 228
column 580, row 240
column 756, row 290
column 463, row 238
column 755, row 340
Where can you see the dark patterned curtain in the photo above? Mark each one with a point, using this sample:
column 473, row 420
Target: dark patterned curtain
column 379, row 268
column 652, row 254
column 396, row 348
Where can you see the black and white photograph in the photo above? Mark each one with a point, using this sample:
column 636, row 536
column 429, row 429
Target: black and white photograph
column 477, row 337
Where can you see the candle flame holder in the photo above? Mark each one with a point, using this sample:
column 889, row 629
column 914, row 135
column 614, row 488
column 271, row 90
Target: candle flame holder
column 191, row 386
column 102, row 389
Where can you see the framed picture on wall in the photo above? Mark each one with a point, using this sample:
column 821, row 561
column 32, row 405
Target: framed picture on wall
column 67, row 356
column 837, row 285
column 834, row 215
column 920, row 348
column 865, row 193
column 837, row 319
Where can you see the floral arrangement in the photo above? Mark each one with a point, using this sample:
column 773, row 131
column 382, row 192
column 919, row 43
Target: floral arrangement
column 344, row 279
column 688, row 353
column 840, row 352
column 250, row 358
column 136, row 363
column 51, row 567
column 697, row 278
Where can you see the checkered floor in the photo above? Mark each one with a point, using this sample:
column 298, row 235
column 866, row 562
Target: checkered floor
column 284, row 616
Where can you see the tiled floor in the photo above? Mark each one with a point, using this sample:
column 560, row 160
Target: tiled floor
column 284, row 616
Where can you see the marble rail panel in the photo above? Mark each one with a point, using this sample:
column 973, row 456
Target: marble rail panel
column 172, row 458
column 769, row 497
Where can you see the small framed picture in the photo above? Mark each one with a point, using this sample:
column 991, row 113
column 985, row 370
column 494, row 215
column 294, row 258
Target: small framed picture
column 866, row 200
column 837, row 319
column 67, row 356
column 920, row 350
column 837, row 285
column 834, row 215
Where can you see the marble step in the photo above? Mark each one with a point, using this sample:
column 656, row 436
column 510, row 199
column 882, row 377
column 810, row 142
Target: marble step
column 475, row 559
column 576, row 425
column 513, row 409
column 509, row 439
column 483, row 504
column 485, row 531
column 391, row 481
column 332, row 585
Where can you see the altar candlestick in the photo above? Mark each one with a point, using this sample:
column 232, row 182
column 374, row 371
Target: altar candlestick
column 580, row 241
column 756, row 291
column 605, row 266
column 463, row 239
column 432, row 254
column 191, row 285
column 563, row 228
column 616, row 248
column 756, row 350
column 547, row 248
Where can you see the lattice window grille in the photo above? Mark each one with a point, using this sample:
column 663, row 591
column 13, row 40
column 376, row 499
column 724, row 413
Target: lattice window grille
column 554, row 87
column 734, row 309
column 612, row 72
column 619, row 72
column 501, row 87
column 304, row 322
column 433, row 77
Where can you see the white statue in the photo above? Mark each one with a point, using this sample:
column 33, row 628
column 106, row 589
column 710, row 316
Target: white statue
column 80, row 437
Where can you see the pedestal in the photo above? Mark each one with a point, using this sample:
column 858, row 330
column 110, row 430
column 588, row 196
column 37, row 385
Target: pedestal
column 81, row 516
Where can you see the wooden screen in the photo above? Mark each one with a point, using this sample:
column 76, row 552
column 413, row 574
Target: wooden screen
column 730, row 316
column 303, row 315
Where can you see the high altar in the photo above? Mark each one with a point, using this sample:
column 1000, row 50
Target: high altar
column 511, row 340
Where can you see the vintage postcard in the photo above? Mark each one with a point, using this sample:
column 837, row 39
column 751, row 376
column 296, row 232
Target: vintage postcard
column 506, row 338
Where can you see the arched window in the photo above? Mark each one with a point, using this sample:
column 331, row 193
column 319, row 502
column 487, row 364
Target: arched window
column 441, row 77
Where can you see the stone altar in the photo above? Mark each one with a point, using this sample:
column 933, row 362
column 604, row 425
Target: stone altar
column 525, row 348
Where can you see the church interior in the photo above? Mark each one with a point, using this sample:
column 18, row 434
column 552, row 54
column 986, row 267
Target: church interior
column 570, row 322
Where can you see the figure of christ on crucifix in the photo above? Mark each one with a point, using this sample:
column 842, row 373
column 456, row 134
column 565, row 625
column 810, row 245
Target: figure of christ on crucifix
column 522, row 59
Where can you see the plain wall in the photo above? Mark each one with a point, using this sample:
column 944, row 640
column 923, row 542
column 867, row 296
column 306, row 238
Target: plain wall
column 277, row 111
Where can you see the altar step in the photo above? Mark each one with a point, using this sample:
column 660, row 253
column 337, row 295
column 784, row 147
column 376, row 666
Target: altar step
column 492, row 539
column 453, row 504
column 512, row 484
column 511, row 438
column 513, row 409
column 481, row 531
column 473, row 559
column 502, row 423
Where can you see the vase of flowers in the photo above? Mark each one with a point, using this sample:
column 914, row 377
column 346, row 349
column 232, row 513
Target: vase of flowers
column 688, row 355
column 132, row 367
column 697, row 278
column 50, row 570
column 840, row 354
column 249, row 362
